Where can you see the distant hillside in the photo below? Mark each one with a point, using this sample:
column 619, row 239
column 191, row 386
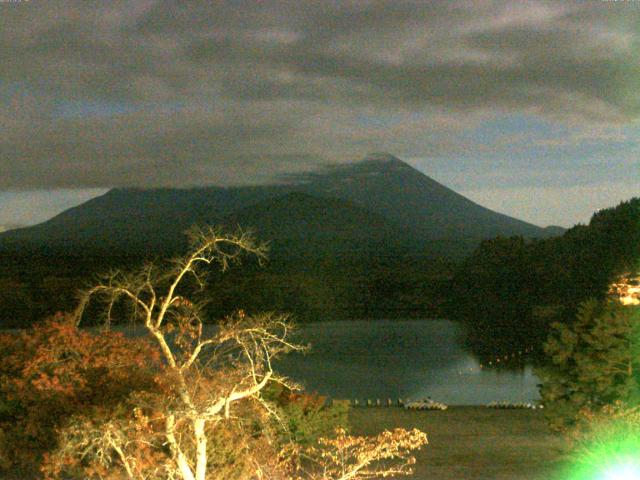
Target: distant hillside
column 510, row 290
column 380, row 197
column 300, row 216
column 373, row 239
column 554, row 231
column 10, row 226
column 134, row 219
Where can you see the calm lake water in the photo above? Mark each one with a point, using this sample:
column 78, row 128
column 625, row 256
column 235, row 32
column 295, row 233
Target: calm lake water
column 408, row 359
column 400, row 359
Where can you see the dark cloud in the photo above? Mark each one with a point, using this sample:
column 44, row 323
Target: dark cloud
column 184, row 93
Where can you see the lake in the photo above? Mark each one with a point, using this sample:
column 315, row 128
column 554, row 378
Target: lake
column 401, row 359
column 408, row 359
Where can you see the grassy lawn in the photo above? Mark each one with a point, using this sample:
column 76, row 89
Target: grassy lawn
column 473, row 443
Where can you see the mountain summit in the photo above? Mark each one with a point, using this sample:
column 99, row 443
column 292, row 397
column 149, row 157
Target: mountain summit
column 380, row 197
column 388, row 186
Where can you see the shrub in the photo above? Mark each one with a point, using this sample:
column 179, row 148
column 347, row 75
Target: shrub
column 307, row 417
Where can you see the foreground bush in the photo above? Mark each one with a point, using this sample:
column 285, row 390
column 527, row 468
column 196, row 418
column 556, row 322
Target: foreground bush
column 307, row 417
column 54, row 372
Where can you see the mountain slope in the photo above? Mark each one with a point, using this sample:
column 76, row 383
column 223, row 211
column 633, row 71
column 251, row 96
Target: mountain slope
column 135, row 219
column 306, row 228
column 390, row 187
column 9, row 226
column 378, row 198
column 298, row 216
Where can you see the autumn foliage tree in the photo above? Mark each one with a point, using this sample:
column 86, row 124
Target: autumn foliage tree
column 54, row 372
column 185, row 400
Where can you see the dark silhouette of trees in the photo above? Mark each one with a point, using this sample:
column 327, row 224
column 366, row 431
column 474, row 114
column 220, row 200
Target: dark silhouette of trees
column 510, row 290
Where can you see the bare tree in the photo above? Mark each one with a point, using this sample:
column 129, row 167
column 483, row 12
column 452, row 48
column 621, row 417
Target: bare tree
column 210, row 378
column 239, row 352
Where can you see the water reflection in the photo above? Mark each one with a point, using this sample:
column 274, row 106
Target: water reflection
column 397, row 359
column 406, row 359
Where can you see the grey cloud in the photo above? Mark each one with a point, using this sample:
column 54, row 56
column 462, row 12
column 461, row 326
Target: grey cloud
column 216, row 90
column 155, row 148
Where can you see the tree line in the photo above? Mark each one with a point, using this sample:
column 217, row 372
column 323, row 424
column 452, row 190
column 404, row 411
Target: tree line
column 510, row 290
column 316, row 287
column 507, row 292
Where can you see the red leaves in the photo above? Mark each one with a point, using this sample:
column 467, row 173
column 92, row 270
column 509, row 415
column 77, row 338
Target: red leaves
column 55, row 370
column 308, row 401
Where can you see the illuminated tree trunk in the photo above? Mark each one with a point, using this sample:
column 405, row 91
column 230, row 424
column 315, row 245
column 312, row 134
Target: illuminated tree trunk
column 176, row 451
column 256, row 340
column 201, row 448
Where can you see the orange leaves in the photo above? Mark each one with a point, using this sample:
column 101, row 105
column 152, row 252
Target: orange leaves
column 348, row 457
column 55, row 371
column 96, row 406
column 307, row 401
column 52, row 383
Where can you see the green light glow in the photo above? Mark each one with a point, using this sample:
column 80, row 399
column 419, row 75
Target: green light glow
column 609, row 451
column 606, row 469
column 623, row 471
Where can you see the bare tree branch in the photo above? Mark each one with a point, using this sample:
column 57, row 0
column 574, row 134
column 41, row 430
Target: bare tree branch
column 208, row 375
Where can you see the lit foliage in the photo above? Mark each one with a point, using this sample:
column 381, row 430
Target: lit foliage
column 347, row 457
column 592, row 362
column 306, row 417
column 183, row 402
column 53, row 372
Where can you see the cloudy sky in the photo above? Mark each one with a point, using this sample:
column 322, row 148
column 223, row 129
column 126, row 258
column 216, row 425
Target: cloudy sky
column 528, row 107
